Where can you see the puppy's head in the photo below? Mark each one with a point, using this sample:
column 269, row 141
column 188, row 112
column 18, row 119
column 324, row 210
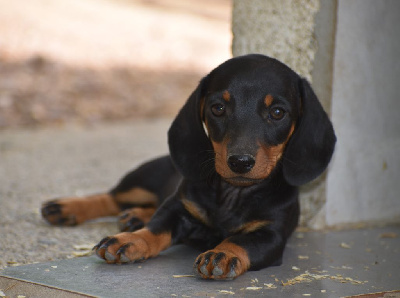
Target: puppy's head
column 247, row 117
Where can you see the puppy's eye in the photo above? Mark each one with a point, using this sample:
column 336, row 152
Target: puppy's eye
column 218, row 109
column 277, row 113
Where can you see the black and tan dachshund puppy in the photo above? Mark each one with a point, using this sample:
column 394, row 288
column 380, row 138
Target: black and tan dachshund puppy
column 247, row 137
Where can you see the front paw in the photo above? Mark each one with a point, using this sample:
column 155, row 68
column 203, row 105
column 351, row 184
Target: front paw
column 130, row 247
column 121, row 248
column 217, row 264
column 58, row 212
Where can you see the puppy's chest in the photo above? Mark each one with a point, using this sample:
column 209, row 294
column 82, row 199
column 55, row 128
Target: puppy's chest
column 234, row 207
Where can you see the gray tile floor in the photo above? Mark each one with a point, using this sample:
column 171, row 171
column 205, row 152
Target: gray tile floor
column 316, row 264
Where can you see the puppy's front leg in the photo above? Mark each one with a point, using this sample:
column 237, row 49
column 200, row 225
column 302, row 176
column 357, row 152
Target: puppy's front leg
column 147, row 242
column 240, row 253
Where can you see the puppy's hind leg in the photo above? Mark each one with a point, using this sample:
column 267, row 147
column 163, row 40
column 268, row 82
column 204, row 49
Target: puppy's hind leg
column 76, row 210
column 141, row 191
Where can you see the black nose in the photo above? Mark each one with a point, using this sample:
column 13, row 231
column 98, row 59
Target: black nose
column 241, row 164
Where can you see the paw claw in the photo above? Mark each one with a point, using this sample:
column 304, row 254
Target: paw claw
column 207, row 258
column 98, row 254
column 109, row 257
column 198, row 261
column 130, row 225
column 217, row 271
column 102, row 241
column 121, row 252
column 203, row 269
column 218, row 257
column 124, row 216
column 108, row 242
column 124, row 259
column 232, row 273
column 50, row 208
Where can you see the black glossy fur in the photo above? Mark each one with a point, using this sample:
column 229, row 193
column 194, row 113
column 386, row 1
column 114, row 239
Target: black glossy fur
column 308, row 152
column 247, row 205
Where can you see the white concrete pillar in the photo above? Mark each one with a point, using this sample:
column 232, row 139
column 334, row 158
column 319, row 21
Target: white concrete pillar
column 364, row 178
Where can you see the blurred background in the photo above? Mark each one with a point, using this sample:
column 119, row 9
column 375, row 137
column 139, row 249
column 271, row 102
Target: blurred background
column 90, row 61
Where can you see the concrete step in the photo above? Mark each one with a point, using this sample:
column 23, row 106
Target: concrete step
column 316, row 264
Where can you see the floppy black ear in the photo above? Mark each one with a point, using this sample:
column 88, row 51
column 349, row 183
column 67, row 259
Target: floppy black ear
column 189, row 146
column 311, row 147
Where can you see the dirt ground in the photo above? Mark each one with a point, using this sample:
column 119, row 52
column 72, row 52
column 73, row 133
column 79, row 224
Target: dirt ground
column 89, row 61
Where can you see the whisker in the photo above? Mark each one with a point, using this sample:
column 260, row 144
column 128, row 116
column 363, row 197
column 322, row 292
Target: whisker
column 208, row 168
column 289, row 160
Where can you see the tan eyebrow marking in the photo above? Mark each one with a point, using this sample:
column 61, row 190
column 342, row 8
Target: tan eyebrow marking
column 226, row 96
column 268, row 100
